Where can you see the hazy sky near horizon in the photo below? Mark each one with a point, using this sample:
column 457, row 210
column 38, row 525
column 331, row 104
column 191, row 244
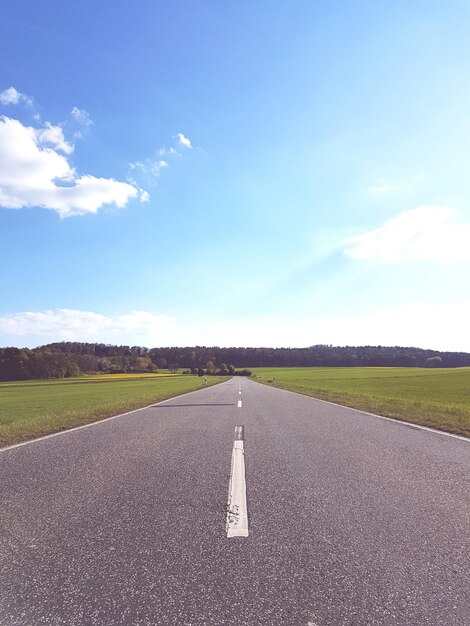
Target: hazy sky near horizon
column 250, row 173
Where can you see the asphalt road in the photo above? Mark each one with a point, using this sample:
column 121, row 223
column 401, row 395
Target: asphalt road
column 352, row 519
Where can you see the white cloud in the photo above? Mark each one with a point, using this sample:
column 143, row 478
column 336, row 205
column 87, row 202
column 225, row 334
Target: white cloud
column 426, row 233
column 82, row 116
column 157, row 167
column 150, row 168
column 148, row 171
column 32, row 174
column 420, row 324
column 167, row 151
column 82, row 119
column 184, row 141
column 12, row 96
column 76, row 325
column 54, row 135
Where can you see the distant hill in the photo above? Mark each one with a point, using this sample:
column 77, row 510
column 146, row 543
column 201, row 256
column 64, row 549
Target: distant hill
column 68, row 359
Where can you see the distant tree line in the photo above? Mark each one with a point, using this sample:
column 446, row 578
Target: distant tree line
column 67, row 359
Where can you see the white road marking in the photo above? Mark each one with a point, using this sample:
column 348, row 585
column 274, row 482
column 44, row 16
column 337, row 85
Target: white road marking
column 239, row 404
column 382, row 417
column 97, row 423
column 239, row 392
column 237, row 514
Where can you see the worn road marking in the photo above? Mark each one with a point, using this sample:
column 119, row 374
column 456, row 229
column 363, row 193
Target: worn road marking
column 239, row 404
column 237, row 514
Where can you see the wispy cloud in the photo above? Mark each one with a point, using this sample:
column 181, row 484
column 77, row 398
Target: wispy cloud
column 82, row 119
column 54, row 135
column 13, row 96
column 164, row 151
column 149, row 167
column 184, row 141
column 147, row 171
column 33, row 173
column 77, row 325
column 426, row 233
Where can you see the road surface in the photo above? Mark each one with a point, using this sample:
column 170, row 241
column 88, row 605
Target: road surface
column 351, row 519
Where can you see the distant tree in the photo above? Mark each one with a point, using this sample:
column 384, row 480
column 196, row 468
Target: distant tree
column 140, row 363
column 71, row 358
column 72, row 370
column 244, row 372
column 210, row 367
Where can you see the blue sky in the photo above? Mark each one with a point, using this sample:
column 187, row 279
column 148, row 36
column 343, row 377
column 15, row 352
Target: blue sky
column 250, row 173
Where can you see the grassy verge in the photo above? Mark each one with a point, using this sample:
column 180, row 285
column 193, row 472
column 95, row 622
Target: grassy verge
column 33, row 408
column 438, row 398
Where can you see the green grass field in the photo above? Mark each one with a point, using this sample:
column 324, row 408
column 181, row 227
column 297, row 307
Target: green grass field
column 439, row 398
column 37, row 407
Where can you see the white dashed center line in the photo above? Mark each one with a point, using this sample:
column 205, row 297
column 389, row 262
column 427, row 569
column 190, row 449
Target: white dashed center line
column 237, row 514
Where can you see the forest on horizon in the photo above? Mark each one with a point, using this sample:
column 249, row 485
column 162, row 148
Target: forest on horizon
column 69, row 359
